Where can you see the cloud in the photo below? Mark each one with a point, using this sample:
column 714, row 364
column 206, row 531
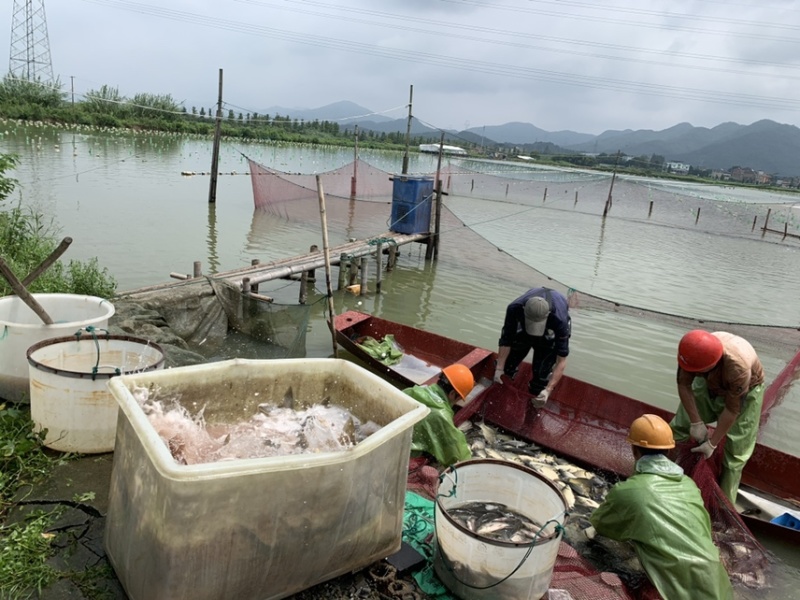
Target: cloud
column 558, row 64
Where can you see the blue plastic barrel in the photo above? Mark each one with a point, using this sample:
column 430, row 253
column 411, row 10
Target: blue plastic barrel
column 411, row 204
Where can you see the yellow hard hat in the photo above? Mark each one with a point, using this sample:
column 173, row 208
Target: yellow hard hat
column 651, row 431
column 460, row 377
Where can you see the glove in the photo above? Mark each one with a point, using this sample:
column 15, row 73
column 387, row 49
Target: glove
column 498, row 376
column 699, row 432
column 540, row 400
column 706, row 448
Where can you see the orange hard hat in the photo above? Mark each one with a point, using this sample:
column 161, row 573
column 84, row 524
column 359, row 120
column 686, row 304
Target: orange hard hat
column 460, row 377
column 651, row 431
column 698, row 351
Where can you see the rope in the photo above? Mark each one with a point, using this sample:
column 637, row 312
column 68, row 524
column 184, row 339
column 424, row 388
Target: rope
column 91, row 329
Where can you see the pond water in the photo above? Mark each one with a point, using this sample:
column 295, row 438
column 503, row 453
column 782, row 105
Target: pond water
column 122, row 198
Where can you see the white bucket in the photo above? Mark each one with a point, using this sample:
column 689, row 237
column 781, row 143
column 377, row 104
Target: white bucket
column 474, row 567
column 69, row 387
column 21, row 328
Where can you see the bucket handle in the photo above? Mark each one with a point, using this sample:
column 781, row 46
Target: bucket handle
column 91, row 329
column 559, row 529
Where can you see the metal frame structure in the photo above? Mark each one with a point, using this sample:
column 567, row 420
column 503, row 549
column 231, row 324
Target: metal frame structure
column 29, row 57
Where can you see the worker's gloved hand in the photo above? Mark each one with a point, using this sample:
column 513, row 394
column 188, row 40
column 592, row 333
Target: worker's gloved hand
column 706, row 448
column 540, row 400
column 498, row 376
column 699, row 432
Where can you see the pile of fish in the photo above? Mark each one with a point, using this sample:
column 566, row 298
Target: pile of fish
column 273, row 431
column 583, row 491
column 495, row 521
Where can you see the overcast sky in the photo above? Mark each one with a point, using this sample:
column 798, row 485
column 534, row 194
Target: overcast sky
column 584, row 66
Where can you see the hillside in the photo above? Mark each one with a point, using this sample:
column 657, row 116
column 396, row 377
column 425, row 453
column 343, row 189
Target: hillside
column 763, row 146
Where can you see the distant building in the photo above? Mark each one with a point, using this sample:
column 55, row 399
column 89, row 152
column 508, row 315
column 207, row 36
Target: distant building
column 678, row 167
column 434, row 149
column 743, row 174
column 720, row 175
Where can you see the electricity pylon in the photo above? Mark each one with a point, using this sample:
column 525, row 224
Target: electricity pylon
column 29, row 58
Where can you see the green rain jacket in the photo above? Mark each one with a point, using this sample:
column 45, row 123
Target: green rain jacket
column 436, row 434
column 660, row 510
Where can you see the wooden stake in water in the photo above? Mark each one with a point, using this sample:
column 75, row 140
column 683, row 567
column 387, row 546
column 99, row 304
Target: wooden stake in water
column 326, row 252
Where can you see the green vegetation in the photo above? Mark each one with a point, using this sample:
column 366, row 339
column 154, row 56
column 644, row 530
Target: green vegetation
column 26, row 546
column 27, row 239
column 106, row 107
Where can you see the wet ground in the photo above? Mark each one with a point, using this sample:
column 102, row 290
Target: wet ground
column 80, row 488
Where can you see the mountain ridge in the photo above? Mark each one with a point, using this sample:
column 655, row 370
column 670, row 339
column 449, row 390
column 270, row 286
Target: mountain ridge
column 764, row 145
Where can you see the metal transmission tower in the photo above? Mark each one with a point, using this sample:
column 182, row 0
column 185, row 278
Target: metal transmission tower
column 30, row 47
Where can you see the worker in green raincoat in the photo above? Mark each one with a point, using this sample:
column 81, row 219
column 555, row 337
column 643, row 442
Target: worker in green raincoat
column 660, row 511
column 436, row 434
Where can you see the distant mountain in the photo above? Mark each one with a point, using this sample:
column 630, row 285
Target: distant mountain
column 525, row 133
column 343, row 112
column 763, row 146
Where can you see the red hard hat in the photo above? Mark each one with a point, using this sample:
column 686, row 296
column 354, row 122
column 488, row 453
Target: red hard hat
column 698, row 351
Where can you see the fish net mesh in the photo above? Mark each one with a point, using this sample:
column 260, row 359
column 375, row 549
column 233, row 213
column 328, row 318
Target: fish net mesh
column 358, row 198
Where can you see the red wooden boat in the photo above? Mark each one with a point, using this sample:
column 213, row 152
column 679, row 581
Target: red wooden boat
column 581, row 421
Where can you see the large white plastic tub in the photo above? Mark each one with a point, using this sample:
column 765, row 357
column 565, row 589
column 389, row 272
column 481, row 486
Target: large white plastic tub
column 261, row 528
column 21, row 328
column 69, row 387
column 474, row 567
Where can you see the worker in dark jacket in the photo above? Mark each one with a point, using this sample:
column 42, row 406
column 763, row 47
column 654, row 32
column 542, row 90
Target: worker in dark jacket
column 538, row 320
column 660, row 511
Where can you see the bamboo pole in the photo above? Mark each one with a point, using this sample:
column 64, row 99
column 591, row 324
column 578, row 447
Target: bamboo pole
column 326, row 252
column 212, row 189
column 23, row 293
column 62, row 247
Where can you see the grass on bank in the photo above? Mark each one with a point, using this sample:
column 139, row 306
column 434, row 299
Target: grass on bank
column 27, row 239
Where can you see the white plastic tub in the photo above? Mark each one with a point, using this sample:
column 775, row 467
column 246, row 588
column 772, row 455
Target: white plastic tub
column 21, row 328
column 261, row 528
column 69, row 387
column 474, row 567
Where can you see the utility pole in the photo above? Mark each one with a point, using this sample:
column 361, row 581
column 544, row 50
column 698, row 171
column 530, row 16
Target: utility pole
column 408, row 130
column 29, row 57
column 72, row 88
column 212, row 190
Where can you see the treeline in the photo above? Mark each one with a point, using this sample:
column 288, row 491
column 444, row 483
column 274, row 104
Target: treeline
column 106, row 107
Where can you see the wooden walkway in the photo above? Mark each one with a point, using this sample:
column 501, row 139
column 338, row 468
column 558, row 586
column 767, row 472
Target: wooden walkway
column 251, row 276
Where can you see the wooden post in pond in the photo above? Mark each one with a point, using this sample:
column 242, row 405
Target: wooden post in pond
column 323, row 218
column 312, row 273
column 431, row 251
column 544, row 198
column 303, row 287
column 697, row 218
column 766, row 222
column 364, row 271
column 352, row 272
column 607, row 207
column 650, row 210
column 753, row 228
column 354, row 181
column 254, row 286
column 197, row 270
column 576, row 199
column 408, row 130
column 392, row 260
column 342, row 270
column 212, row 190
column 379, row 267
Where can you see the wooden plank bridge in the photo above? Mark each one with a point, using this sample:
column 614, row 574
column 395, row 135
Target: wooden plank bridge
column 350, row 258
